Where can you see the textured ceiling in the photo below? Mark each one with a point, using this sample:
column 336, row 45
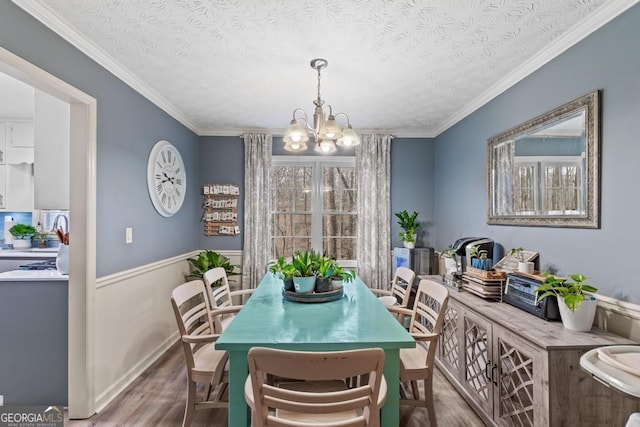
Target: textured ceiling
column 407, row 67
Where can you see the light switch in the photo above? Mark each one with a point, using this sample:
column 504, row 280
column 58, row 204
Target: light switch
column 128, row 235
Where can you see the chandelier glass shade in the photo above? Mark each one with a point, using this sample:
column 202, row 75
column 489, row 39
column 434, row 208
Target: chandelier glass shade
column 327, row 133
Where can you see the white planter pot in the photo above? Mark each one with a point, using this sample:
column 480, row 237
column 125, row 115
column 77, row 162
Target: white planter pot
column 580, row 320
column 525, row 267
column 62, row 260
column 450, row 265
column 21, row 243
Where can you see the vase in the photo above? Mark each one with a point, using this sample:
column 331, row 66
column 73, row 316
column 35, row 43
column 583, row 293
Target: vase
column 62, row 259
column 323, row 284
column 336, row 283
column 21, row 243
column 304, row 284
column 580, row 320
column 525, row 267
column 288, row 284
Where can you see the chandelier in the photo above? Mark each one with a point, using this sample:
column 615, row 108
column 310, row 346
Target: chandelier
column 326, row 133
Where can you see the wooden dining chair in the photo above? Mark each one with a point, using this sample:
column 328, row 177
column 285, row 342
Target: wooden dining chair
column 205, row 364
column 400, row 289
column 220, row 296
column 417, row 363
column 319, row 395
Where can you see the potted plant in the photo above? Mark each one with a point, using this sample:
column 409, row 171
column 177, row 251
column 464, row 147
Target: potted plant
column 305, row 264
column 41, row 238
column 450, row 261
column 479, row 259
column 22, row 234
column 409, row 225
column 523, row 266
column 205, row 261
column 326, row 267
column 283, row 270
column 577, row 310
column 340, row 276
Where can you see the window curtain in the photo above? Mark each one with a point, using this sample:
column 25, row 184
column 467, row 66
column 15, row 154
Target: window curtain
column 504, row 155
column 257, row 165
column 373, row 252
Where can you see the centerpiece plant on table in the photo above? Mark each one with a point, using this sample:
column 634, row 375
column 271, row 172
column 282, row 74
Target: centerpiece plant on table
column 326, row 267
column 340, row 276
column 285, row 271
column 306, row 265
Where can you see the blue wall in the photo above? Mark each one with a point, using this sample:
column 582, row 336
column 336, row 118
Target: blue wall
column 128, row 127
column 606, row 60
column 412, row 159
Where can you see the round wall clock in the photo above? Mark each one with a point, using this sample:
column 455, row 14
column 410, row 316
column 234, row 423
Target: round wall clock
column 166, row 178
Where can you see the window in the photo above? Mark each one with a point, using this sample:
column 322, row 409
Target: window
column 561, row 189
column 313, row 206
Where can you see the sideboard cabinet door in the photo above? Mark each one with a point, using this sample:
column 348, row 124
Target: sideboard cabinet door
column 478, row 370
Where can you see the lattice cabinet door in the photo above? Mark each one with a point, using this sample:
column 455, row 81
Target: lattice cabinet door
column 449, row 342
column 520, row 378
column 478, row 368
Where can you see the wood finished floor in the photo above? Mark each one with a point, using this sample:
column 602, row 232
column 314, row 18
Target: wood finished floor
column 157, row 398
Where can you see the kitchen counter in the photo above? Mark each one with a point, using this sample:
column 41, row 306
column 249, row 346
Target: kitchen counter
column 32, row 276
column 29, row 253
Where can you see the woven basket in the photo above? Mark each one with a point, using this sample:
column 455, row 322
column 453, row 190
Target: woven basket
column 485, row 274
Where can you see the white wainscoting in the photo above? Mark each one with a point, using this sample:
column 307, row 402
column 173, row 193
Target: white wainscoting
column 134, row 322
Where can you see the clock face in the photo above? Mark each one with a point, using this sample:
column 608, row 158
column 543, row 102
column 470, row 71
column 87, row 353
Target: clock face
column 166, row 178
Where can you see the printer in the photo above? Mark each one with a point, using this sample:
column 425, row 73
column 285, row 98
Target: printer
column 462, row 248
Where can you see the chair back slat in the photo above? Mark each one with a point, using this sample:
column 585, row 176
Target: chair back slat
column 358, row 406
column 402, row 293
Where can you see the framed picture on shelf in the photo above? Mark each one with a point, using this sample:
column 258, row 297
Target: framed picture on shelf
column 510, row 262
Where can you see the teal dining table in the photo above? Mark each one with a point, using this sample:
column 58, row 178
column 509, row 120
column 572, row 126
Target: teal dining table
column 356, row 320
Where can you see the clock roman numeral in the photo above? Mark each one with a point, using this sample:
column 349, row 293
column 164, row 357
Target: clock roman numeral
column 164, row 159
column 178, row 170
column 159, row 187
column 178, row 181
column 168, row 156
column 158, row 176
column 178, row 192
column 164, row 198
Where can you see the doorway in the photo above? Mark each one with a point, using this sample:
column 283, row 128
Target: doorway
column 82, row 207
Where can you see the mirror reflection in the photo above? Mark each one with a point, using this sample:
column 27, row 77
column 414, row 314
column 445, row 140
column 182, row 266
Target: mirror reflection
column 544, row 172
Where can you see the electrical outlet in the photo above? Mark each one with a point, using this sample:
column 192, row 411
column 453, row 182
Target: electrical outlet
column 128, row 235
column 1, row 400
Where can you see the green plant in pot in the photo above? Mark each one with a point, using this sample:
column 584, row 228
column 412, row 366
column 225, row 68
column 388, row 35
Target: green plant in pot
column 450, row 260
column 523, row 266
column 22, row 234
column 340, row 276
column 283, row 270
column 305, row 264
column 409, row 224
column 205, row 261
column 577, row 309
column 41, row 238
column 326, row 267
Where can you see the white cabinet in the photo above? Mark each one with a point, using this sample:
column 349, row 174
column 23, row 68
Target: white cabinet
column 16, row 165
column 51, row 166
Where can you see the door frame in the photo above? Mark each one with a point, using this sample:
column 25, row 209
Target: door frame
column 82, row 209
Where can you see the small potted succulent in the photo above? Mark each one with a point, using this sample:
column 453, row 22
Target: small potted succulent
column 523, row 266
column 577, row 306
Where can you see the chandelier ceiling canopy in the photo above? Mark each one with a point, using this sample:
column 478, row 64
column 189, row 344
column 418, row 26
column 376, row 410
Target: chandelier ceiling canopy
column 327, row 133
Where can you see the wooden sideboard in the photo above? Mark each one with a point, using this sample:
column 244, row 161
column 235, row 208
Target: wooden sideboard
column 515, row 369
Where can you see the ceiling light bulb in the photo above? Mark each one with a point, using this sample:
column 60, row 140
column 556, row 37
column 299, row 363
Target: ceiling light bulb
column 349, row 137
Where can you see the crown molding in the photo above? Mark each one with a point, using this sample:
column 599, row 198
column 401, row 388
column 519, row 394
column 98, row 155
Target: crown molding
column 51, row 20
column 601, row 17
column 279, row 132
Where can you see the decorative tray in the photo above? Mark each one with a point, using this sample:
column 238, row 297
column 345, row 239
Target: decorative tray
column 313, row 296
column 484, row 274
